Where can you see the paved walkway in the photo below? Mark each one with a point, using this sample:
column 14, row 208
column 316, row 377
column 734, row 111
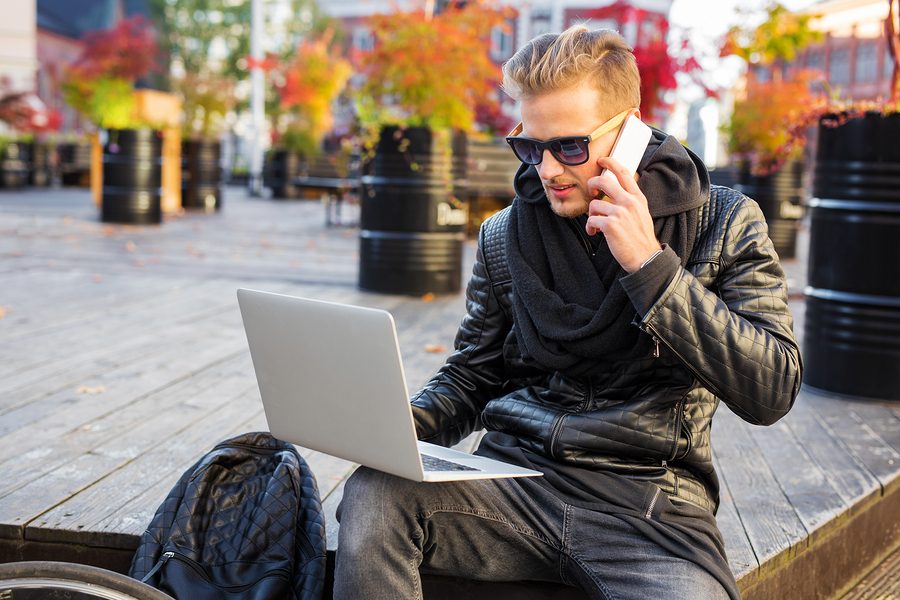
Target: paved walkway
column 122, row 359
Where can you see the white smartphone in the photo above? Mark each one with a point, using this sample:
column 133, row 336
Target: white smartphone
column 631, row 143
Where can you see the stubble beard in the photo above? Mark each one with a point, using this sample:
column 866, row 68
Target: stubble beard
column 572, row 207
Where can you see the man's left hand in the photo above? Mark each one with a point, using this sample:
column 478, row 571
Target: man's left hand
column 622, row 216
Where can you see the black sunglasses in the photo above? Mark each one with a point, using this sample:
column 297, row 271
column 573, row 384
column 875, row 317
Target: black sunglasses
column 569, row 150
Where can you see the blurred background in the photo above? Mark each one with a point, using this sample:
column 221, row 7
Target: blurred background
column 201, row 51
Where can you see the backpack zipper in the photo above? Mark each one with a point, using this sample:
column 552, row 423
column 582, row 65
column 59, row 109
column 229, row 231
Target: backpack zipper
column 200, row 570
column 162, row 560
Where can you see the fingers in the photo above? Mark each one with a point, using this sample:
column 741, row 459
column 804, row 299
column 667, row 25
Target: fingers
column 623, row 176
column 599, row 212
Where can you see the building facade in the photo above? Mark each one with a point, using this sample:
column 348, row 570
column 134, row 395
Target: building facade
column 853, row 55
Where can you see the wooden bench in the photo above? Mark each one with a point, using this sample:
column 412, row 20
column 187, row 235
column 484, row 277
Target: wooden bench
column 334, row 180
column 123, row 359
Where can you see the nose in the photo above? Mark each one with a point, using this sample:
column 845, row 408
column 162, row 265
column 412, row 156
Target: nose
column 549, row 166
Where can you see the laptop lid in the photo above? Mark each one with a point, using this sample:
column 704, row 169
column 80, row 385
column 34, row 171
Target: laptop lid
column 331, row 379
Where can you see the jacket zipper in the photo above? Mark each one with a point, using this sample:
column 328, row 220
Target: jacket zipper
column 649, row 328
column 589, row 397
column 201, row 572
column 554, row 432
column 679, row 407
column 653, row 503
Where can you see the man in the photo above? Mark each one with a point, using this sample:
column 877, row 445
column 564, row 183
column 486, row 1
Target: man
column 606, row 318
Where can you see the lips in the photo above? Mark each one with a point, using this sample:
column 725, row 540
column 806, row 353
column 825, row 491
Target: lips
column 561, row 190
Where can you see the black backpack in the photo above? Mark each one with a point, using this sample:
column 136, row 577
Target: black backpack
column 244, row 522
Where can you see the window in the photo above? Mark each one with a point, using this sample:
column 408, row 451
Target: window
column 888, row 65
column 501, row 43
column 815, row 59
column 839, row 66
column 866, row 62
column 363, row 39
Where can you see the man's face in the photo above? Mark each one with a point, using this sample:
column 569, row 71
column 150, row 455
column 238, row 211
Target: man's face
column 573, row 111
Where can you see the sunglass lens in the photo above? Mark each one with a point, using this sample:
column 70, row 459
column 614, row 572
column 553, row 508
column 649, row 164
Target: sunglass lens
column 527, row 151
column 570, row 151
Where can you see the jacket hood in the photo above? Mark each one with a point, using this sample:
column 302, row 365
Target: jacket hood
column 673, row 178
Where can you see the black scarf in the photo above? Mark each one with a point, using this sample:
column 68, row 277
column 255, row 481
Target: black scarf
column 571, row 313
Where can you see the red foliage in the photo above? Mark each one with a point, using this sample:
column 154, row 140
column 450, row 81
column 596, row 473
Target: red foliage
column 656, row 63
column 24, row 111
column 127, row 51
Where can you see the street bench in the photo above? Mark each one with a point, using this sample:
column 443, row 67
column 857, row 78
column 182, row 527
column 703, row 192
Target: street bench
column 334, row 180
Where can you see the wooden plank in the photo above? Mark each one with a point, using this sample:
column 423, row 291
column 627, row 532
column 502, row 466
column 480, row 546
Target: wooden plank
column 808, row 488
column 738, row 549
column 124, row 525
column 849, row 477
column 101, row 331
column 184, row 402
column 70, row 520
column 64, row 410
column 56, row 486
column 842, row 417
column 768, row 518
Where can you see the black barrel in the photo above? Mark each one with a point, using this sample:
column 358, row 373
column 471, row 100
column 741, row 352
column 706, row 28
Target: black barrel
column 725, row 176
column 201, row 175
column 13, row 165
column 281, row 168
column 491, row 168
column 412, row 227
column 852, row 334
column 780, row 195
column 74, row 163
column 40, row 174
column 132, row 176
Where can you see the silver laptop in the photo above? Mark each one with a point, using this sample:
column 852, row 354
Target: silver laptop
column 331, row 379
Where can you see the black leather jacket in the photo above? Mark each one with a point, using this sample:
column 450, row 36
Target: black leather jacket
column 724, row 332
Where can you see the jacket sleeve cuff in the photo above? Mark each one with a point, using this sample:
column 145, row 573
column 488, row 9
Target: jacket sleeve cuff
column 646, row 285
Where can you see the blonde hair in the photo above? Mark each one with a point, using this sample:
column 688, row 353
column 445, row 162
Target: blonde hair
column 554, row 61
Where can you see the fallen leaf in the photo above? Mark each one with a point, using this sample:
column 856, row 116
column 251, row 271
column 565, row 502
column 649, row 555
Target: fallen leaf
column 435, row 348
column 2, row 312
column 108, row 230
column 98, row 278
column 130, row 246
column 429, row 297
column 89, row 389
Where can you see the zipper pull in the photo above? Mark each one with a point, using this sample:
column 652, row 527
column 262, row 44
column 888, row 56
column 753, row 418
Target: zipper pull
column 655, row 347
column 162, row 560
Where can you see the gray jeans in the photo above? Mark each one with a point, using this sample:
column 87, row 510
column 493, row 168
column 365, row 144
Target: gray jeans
column 496, row 530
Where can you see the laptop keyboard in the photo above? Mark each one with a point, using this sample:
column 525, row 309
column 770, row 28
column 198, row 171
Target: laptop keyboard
column 431, row 463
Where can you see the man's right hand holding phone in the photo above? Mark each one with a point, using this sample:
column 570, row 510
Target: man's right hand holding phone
column 623, row 216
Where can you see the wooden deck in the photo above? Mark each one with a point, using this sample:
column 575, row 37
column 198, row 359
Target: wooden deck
column 123, row 359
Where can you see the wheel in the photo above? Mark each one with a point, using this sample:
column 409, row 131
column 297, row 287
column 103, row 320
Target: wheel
column 47, row 580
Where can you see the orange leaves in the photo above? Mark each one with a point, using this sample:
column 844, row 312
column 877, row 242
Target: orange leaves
column 91, row 389
column 307, row 85
column 431, row 72
column 768, row 125
column 2, row 312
